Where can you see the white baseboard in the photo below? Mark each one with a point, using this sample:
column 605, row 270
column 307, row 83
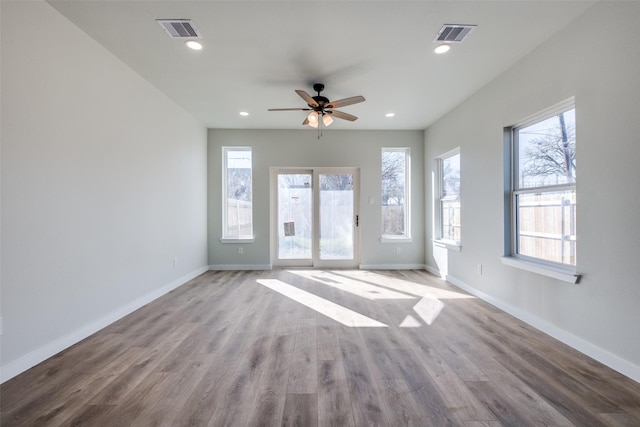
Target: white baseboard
column 221, row 267
column 601, row 355
column 41, row 354
column 392, row 266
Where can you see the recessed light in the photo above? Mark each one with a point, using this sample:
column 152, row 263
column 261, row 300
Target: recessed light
column 390, row 114
column 244, row 113
column 192, row 44
column 443, row 48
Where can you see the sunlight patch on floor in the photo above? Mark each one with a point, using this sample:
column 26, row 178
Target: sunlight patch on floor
column 428, row 308
column 410, row 322
column 401, row 285
column 356, row 287
column 327, row 308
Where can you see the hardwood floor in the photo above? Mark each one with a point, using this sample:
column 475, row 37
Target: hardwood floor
column 319, row 347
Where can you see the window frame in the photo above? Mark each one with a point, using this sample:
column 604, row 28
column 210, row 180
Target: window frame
column 439, row 199
column 559, row 270
column 241, row 238
column 406, row 236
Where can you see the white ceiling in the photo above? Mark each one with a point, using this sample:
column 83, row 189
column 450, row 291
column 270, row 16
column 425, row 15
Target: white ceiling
column 257, row 52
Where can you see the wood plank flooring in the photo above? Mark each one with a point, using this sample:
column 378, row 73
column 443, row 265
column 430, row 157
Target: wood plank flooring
column 227, row 350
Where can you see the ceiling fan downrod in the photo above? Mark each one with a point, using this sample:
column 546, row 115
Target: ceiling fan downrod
column 320, row 100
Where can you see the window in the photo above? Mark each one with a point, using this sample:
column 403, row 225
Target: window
column 543, row 196
column 448, row 168
column 395, row 193
column 237, row 198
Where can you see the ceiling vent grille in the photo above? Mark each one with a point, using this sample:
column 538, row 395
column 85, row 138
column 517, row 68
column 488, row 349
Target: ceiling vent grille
column 453, row 33
column 179, row 28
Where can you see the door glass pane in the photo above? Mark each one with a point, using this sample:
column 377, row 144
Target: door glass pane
column 295, row 217
column 336, row 216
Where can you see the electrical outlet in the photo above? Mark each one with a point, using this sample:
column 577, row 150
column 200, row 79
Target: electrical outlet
column 398, row 250
column 175, row 262
column 479, row 268
column 240, row 251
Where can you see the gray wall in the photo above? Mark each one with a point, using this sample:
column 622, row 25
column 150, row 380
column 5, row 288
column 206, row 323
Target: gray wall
column 301, row 148
column 103, row 185
column 597, row 60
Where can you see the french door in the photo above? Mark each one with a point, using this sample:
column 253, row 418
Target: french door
column 315, row 217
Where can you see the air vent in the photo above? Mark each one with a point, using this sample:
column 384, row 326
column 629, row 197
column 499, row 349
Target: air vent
column 179, row 28
column 453, row 33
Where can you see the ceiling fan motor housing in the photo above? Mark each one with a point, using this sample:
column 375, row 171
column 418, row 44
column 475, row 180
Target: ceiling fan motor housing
column 321, row 100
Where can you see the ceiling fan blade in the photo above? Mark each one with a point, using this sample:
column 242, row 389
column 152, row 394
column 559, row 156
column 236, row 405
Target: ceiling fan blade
column 289, row 109
column 307, row 98
column 346, row 101
column 342, row 115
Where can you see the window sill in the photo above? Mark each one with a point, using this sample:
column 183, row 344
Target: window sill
column 449, row 244
column 565, row 275
column 395, row 239
column 250, row 239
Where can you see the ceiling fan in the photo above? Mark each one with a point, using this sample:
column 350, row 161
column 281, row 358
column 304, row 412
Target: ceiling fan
column 322, row 110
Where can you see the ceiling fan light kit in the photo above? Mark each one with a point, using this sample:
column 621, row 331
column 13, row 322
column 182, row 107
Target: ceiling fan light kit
column 312, row 119
column 322, row 110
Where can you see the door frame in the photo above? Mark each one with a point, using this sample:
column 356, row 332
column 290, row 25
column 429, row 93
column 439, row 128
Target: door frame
column 315, row 261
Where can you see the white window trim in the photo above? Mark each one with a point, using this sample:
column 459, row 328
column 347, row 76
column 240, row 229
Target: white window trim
column 563, row 272
column 440, row 241
column 405, row 238
column 565, row 105
column 448, row 244
column 535, row 266
column 250, row 238
column 395, row 239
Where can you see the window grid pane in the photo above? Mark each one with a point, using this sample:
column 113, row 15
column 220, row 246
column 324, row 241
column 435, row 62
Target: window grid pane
column 544, row 188
column 547, row 152
column 546, row 224
column 451, row 176
column 450, row 214
column 394, row 197
column 450, row 206
column 238, row 193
